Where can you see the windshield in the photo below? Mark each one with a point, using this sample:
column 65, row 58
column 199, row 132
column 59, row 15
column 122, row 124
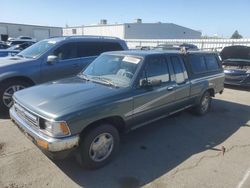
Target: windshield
column 117, row 70
column 37, row 49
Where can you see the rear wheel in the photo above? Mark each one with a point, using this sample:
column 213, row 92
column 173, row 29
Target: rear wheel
column 204, row 105
column 7, row 89
column 98, row 146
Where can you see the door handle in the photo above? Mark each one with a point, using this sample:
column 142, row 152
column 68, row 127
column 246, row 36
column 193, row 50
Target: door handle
column 170, row 88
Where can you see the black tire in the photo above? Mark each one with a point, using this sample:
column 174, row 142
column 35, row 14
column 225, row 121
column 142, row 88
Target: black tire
column 88, row 139
column 4, row 86
column 202, row 108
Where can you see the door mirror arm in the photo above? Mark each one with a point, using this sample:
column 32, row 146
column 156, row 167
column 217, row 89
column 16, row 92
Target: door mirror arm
column 150, row 84
column 52, row 59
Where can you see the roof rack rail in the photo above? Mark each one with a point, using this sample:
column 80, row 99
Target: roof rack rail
column 92, row 36
column 56, row 37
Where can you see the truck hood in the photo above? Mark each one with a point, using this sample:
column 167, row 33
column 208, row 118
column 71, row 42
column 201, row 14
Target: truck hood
column 59, row 98
column 8, row 61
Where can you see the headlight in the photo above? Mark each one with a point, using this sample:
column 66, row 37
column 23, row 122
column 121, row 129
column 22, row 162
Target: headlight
column 56, row 129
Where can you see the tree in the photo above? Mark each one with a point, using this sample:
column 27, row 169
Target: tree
column 236, row 35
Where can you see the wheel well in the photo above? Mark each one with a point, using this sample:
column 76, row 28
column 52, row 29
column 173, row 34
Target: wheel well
column 211, row 91
column 116, row 121
column 19, row 78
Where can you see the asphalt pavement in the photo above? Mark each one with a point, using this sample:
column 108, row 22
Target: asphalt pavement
column 180, row 151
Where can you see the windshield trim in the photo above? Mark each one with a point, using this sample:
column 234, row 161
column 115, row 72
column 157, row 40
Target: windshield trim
column 131, row 83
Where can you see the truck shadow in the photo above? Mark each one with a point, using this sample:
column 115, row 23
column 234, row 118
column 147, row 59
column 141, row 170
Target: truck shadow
column 152, row 151
column 4, row 115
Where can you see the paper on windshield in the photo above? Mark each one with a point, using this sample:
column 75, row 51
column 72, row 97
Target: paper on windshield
column 131, row 59
column 51, row 42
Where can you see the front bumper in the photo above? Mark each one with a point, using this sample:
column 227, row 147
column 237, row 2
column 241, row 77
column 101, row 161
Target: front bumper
column 48, row 144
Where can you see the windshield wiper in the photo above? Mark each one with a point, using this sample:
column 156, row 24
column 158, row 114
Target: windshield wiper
column 84, row 76
column 105, row 80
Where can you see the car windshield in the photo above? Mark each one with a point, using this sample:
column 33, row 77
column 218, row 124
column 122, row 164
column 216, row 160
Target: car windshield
column 37, row 49
column 116, row 70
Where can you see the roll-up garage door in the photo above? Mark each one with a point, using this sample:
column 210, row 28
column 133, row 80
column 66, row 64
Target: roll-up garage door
column 41, row 34
column 3, row 30
column 3, row 33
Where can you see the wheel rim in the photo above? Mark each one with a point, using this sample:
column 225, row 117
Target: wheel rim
column 205, row 103
column 101, row 147
column 8, row 93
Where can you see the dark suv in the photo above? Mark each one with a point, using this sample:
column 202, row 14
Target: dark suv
column 118, row 91
column 50, row 59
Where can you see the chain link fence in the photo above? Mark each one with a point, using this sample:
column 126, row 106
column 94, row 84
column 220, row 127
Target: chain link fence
column 204, row 44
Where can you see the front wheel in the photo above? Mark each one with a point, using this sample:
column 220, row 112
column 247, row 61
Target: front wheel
column 98, row 146
column 204, row 104
column 7, row 89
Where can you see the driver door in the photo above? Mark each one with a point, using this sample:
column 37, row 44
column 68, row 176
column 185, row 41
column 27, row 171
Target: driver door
column 155, row 101
column 65, row 66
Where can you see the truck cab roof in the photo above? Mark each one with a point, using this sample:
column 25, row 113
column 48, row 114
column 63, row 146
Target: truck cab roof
column 144, row 53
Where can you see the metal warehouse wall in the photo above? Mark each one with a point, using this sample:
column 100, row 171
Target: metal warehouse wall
column 159, row 31
column 69, row 31
column 38, row 32
column 136, row 31
column 105, row 30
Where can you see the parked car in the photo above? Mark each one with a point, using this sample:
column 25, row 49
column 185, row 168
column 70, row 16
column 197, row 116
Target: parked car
column 18, row 42
column 176, row 46
column 22, row 46
column 118, row 91
column 189, row 46
column 48, row 60
column 236, row 64
column 25, row 37
column 13, row 50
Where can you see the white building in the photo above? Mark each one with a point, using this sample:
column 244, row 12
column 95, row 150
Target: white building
column 35, row 31
column 137, row 30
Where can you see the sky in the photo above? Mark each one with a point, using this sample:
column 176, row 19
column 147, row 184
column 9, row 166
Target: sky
column 211, row 17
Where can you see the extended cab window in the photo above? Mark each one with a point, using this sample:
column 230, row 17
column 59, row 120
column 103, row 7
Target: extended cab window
column 157, row 69
column 212, row 62
column 179, row 70
column 66, row 51
column 198, row 64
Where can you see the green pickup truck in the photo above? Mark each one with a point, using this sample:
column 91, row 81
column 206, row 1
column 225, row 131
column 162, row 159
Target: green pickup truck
column 119, row 91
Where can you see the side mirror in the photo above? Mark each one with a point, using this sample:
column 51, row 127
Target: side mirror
column 149, row 84
column 155, row 82
column 52, row 59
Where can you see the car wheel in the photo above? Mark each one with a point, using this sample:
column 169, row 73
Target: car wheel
column 204, row 104
column 98, row 146
column 7, row 89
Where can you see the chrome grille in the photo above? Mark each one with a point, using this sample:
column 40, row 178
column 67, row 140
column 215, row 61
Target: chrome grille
column 26, row 115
